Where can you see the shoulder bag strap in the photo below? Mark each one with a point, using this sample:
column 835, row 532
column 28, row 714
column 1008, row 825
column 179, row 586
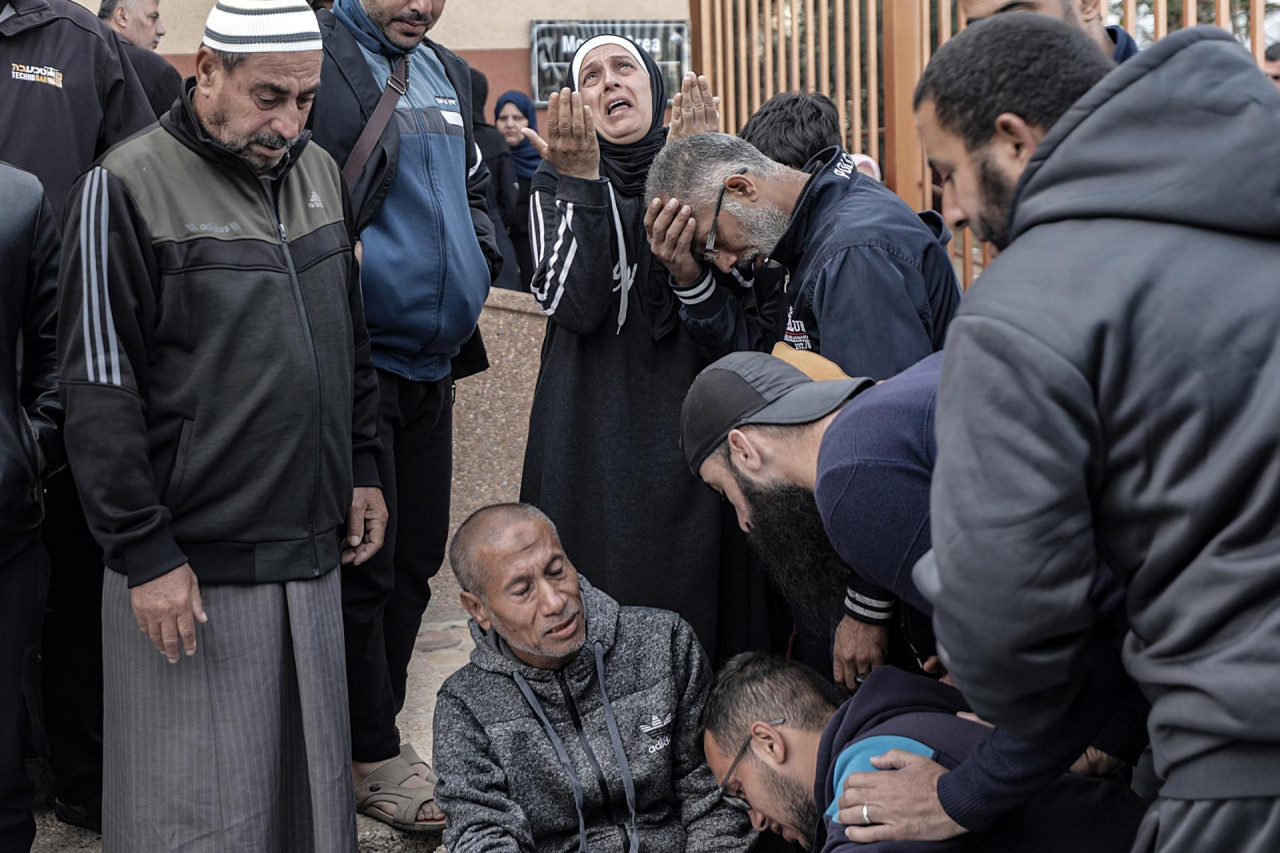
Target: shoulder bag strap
column 397, row 85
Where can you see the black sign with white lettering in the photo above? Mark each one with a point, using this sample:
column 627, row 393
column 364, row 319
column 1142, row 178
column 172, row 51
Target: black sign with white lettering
column 554, row 43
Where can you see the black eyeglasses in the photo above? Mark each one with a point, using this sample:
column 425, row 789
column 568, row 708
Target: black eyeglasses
column 740, row 803
column 709, row 252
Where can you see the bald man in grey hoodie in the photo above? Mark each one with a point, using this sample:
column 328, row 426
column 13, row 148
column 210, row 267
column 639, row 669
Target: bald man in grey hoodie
column 574, row 726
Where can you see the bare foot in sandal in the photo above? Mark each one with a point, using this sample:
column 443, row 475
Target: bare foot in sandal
column 390, row 787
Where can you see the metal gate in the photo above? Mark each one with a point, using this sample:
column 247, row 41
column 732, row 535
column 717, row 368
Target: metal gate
column 868, row 54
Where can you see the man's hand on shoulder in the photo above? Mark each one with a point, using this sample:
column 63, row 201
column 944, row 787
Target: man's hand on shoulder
column 166, row 610
column 366, row 526
column 902, row 804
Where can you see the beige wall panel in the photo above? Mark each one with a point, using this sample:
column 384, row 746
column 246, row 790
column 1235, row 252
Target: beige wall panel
column 467, row 24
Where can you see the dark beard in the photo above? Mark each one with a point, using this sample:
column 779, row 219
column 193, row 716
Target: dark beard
column 996, row 194
column 788, row 537
column 797, row 799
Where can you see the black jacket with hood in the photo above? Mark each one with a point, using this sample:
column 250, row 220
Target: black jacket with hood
column 599, row 756
column 1111, row 389
column 341, row 110
column 67, row 93
column 897, row 710
column 213, row 360
column 30, row 414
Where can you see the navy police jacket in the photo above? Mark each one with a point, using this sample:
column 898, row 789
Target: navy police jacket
column 869, row 284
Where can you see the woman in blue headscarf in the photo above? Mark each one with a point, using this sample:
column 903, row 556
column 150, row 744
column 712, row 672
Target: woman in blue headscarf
column 514, row 112
column 603, row 457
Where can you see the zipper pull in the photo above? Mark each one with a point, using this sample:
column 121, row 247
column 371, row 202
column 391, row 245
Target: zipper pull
column 283, row 237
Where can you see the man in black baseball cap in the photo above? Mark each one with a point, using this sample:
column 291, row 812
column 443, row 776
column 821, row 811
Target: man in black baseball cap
column 752, row 428
column 830, row 480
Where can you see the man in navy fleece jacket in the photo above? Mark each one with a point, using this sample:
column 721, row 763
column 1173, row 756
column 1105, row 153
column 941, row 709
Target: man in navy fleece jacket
column 802, row 748
column 761, row 432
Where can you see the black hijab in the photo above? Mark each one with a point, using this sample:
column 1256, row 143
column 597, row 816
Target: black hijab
column 627, row 166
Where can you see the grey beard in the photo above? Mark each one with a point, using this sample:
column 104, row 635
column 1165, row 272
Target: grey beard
column 544, row 653
column 763, row 226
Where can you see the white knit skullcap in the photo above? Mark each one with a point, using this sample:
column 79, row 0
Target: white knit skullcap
column 262, row 26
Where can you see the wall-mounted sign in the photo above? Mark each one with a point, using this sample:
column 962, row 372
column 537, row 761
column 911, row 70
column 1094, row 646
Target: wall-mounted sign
column 554, row 43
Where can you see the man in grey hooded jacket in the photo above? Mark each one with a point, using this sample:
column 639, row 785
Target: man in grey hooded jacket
column 1111, row 388
column 574, row 726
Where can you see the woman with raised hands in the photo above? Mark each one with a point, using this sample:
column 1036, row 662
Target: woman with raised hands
column 603, row 458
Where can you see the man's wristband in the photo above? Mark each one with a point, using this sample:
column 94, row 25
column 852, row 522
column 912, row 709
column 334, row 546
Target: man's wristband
column 699, row 291
column 865, row 608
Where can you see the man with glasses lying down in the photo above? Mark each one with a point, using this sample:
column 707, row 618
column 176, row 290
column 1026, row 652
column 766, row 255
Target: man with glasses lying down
column 780, row 742
column 574, row 726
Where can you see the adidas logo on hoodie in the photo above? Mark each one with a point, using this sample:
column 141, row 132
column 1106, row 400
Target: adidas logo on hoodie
column 315, row 201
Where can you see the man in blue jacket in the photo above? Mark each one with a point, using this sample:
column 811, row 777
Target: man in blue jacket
column 781, row 750
column 429, row 257
column 804, row 462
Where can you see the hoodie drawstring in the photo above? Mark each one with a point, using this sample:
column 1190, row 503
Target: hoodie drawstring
column 563, row 756
column 628, row 783
column 623, row 273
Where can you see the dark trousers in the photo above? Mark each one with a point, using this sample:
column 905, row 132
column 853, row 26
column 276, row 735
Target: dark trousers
column 72, row 669
column 383, row 600
column 24, row 579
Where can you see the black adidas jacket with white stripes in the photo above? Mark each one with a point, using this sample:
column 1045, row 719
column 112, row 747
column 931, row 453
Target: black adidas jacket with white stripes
column 213, row 359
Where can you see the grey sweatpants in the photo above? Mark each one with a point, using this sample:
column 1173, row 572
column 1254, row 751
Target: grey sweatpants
column 1208, row 826
column 244, row 746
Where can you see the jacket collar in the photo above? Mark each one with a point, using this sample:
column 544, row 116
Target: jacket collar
column 26, row 15
column 352, row 15
column 181, row 121
column 833, row 173
column 601, row 612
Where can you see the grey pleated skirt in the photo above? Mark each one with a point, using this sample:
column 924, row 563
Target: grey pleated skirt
column 243, row 747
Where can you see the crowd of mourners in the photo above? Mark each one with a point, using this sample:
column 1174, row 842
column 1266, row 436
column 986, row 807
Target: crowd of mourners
column 812, row 549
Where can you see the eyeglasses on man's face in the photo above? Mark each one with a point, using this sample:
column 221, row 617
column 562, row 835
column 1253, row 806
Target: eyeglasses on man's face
column 740, row 803
column 709, row 252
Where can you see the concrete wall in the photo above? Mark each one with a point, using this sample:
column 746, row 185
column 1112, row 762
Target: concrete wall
column 493, row 35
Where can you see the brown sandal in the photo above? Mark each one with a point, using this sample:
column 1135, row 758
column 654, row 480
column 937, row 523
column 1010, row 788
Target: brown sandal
column 384, row 785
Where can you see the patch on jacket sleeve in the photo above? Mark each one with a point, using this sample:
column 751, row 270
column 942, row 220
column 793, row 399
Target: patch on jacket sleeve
column 796, row 336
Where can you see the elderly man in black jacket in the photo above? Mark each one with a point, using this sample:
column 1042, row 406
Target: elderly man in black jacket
column 429, row 258
column 30, row 448
column 1111, row 388
column 221, row 410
